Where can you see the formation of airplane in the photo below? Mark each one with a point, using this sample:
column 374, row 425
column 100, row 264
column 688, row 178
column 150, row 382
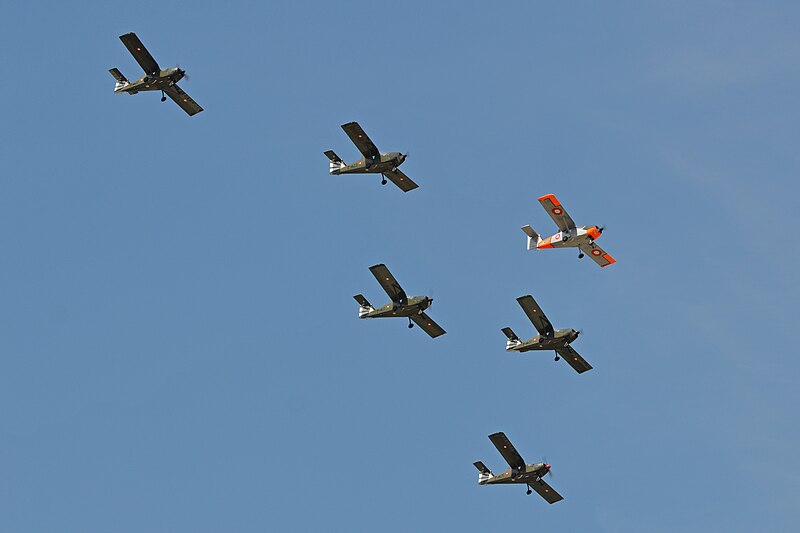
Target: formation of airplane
column 519, row 473
column 569, row 235
column 154, row 78
column 401, row 305
column 548, row 338
column 373, row 162
column 413, row 308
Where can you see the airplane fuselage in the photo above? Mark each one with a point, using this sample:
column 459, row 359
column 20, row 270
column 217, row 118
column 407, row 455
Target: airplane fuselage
column 377, row 165
column 530, row 474
column 583, row 235
column 416, row 305
column 159, row 82
column 560, row 338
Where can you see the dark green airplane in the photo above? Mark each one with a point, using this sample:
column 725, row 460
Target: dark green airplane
column 520, row 473
column 401, row 305
column 548, row 338
column 154, row 78
column 373, row 162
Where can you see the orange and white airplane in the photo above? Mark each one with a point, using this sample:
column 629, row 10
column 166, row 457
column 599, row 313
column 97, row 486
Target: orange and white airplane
column 570, row 235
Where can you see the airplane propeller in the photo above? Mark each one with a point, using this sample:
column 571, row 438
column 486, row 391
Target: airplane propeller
column 547, row 466
column 185, row 76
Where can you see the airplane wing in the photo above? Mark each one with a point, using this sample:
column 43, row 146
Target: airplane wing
column 507, row 450
column 389, row 284
column 597, row 254
column 401, row 180
column 140, row 53
column 428, row 325
column 183, row 100
column 574, row 359
column 546, row 491
column 535, row 314
column 360, row 139
column 557, row 212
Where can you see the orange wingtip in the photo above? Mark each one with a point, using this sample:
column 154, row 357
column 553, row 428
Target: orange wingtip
column 551, row 197
column 610, row 260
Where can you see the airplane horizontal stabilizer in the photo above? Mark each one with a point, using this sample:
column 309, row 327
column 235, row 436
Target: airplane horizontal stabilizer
column 118, row 75
column 533, row 237
column 482, row 467
column 336, row 162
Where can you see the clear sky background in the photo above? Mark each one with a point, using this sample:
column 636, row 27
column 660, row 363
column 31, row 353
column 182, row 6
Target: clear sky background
column 179, row 343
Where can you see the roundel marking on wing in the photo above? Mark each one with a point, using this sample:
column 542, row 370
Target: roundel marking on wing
column 557, row 211
column 596, row 252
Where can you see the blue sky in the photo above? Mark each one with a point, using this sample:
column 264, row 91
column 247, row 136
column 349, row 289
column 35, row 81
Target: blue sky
column 180, row 347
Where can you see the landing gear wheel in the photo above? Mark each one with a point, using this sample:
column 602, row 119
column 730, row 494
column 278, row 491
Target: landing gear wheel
column 557, row 358
column 383, row 181
column 580, row 255
column 528, row 491
column 163, row 97
column 410, row 324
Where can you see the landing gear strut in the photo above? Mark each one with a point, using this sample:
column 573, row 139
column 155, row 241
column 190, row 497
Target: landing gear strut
column 383, row 179
column 529, row 490
column 410, row 324
column 163, row 97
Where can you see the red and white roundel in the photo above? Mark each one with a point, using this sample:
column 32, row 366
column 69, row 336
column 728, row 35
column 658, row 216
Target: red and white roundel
column 596, row 252
column 557, row 211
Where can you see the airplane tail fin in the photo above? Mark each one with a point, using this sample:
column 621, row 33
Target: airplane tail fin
column 364, row 306
column 533, row 238
column 122, row 81
column 485, row 473
column 336, row 162
column 513, row 341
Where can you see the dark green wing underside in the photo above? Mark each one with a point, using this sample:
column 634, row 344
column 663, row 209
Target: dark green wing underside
column 361, row 140
column 140, row 53
column 389, row 284
column 186, row 102
column 535, row 314
column 507, row 450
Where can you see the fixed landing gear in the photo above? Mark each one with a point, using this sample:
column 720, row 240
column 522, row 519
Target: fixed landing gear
column 580, row 255
column 163, row 97
column 557, row 358
column 529, row 491
column 410, row 324
column 383, row 179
